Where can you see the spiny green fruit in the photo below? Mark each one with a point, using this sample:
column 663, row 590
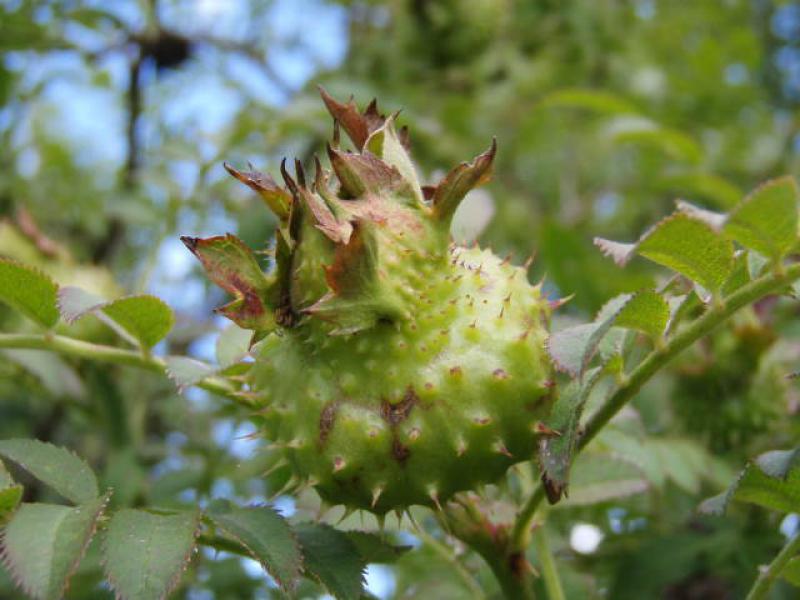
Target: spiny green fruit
column 392, row 367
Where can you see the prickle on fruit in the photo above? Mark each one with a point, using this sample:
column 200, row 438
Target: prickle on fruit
column 392, row 367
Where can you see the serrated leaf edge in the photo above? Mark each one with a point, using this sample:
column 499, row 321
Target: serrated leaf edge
column 72, row 317
column 40, row 273
column 6, row 560
column 65, row 449
column 313, row 576
column 295, row 540
column 176, row 578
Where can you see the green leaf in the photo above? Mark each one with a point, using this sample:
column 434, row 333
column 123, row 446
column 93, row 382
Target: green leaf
column 766, row 221
column 231, row 265
column 44, row 543
column 772, row 480
column 646, row 311
column 146, row 553
column 29, row 291
column 556, row 451
column 671, row 142
column 375, row 548
column 332, row 559
column 791, row 572
column 145, row 317
column 266, row 535
column 599, row 478
column 573, row 348
column 56, row 467
column 142, row 319
column 55, row 375
column 233, row 344
column 186, row 372
column 10, row 497
column 593, row 100
column 683, row 243
column 718, row 190
column 5, row 477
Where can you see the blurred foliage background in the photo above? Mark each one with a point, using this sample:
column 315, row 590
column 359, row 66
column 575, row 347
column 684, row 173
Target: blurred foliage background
column 115, row 118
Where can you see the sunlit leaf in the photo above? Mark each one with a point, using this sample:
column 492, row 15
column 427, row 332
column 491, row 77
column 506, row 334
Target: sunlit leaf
column 142, row 319
column 766, row 220
column 683, row 243
column 29, row 291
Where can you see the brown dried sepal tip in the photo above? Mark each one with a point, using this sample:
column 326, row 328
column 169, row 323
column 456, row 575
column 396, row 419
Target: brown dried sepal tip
column 359, row 125
column 231, row 265
column 277, row 199
column 450, row 191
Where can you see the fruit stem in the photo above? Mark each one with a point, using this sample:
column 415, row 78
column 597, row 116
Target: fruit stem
column 716, row 314
column 68, row 346
column 547, row 565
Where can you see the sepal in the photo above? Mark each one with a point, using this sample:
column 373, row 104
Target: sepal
column 231, row 265
column 276, row 198
column 457, row 183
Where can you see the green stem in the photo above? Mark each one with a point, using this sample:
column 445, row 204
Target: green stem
column 78, row 348
column 767, row 576
column 552, row 582
column 653, row 362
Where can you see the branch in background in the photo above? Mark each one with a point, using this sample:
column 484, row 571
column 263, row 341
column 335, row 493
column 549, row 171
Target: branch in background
column 72, row 347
